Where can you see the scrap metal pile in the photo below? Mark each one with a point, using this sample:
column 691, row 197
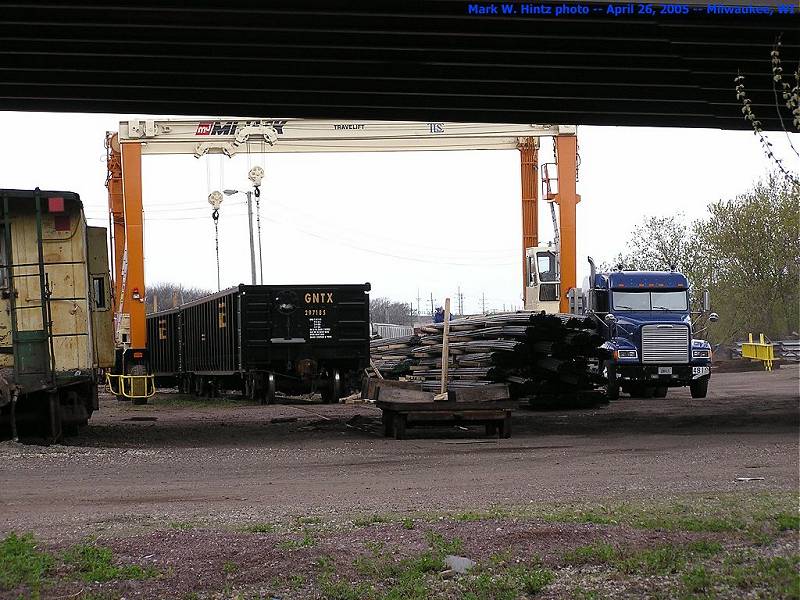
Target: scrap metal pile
column 540, row 356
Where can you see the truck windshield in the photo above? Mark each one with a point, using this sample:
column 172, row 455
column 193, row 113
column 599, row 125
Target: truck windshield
column 649, row 300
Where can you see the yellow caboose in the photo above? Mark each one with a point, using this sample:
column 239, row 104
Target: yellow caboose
column 56, row 324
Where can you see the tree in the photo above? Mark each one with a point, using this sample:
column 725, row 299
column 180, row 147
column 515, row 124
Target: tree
column 663, row 244
column 751, row 259
column 658, row 244
column 384, row 310
column 171, row 294
column 746, row 252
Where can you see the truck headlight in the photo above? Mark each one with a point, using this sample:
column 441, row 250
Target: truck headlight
column 701, row 353
column 627, row 354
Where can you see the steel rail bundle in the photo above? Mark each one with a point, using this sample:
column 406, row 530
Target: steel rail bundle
column 540, row 356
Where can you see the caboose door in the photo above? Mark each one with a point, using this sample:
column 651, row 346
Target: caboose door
column 100, row 297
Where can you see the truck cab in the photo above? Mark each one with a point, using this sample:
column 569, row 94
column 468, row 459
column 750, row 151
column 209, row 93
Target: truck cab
column 646, row 320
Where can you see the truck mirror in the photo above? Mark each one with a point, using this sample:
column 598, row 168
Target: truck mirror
column 706, row 301
column 713, row 317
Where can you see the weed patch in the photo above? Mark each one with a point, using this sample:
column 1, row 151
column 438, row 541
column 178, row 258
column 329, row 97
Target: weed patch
column 367, row 520
column 259, row 528
column 21, row 562
column 95, row 563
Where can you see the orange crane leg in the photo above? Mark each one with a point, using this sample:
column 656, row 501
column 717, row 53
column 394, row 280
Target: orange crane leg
column 567, row 199
column 115, row 208
column 529, row 168
column 134, row 240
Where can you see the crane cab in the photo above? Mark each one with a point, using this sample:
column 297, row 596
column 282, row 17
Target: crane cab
column 542, row 279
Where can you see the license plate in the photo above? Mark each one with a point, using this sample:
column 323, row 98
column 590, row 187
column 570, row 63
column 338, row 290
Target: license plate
column 665, row 370
column 700, row 371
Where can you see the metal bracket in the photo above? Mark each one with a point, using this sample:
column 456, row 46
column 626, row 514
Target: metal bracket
column 243, row 135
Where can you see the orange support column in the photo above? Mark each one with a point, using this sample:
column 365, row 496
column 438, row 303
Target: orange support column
column 116, row 210
column 567, row 199
column 134, row 242
column 529, row 169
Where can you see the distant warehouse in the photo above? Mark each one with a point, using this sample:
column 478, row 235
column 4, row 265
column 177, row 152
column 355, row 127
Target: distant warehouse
column 388, row 330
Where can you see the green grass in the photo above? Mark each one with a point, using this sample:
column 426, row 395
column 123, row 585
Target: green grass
column 778, row 574
column 666, row 559
column 442, row 545
column 181, row 525
column 90, row 562
column 507, row 584
column 230, row 567
column 581, row 593
column 22, row 563
column 697, row 580
column 307, row 541
column 366, row 520
column 408, row 523
column 758, row 515
column 259, row 528
column 787, row 522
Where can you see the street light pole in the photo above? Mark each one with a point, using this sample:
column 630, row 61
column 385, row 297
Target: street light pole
column 252, row 246
column 250, row 228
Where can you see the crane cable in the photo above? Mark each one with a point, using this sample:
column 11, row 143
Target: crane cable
column 215, row 217
column 258, row 223
column 215, row 200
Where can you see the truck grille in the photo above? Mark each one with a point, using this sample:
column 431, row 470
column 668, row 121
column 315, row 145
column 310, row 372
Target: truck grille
column 665, row 344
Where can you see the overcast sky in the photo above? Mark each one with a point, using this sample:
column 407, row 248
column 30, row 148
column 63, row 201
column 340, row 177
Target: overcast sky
column 414, row 223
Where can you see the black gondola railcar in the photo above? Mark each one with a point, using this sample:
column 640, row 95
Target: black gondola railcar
column 263, row 338
column 164, row 345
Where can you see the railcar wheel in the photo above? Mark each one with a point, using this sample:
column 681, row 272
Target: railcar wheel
column 334, row 389
column 269, row 395
column 51, row 423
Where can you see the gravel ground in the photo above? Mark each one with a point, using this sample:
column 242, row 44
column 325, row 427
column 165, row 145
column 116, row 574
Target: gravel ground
column 175, row 482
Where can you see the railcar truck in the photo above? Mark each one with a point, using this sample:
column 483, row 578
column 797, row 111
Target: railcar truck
column 646, row 320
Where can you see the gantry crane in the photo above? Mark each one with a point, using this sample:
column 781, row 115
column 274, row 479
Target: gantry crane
column 544, row 286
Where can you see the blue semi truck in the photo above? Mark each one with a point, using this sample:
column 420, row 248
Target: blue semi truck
column 646, row 320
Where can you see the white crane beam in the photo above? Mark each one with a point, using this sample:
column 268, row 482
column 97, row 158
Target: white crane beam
column 231, row 135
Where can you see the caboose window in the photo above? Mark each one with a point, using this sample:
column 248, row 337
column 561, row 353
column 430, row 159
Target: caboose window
column 99, row 291
column 4, row 262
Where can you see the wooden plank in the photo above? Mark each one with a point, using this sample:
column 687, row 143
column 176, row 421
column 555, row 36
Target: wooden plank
column 430, row 405
column 374, row 368
column 445, row 340
column 374, row 385
column 397, row 395
column 446, row 415
column 484, row 393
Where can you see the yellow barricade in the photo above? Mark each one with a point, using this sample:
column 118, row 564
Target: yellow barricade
column 760, row 350
column 131, row 386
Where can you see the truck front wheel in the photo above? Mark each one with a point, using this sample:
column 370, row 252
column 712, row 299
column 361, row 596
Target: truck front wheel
column 699, row 387
column 612, row 387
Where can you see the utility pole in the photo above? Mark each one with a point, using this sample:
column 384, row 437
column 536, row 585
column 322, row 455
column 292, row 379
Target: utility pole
column 432, row 309
column 249, row 195
column 419, row 312
column 483, row 302
column 250, row 227
column 460, row 302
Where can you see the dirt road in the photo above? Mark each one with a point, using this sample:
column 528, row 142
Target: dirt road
column 234, row 462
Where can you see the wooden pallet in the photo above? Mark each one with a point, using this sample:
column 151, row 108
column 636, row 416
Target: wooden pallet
column 407, row 405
